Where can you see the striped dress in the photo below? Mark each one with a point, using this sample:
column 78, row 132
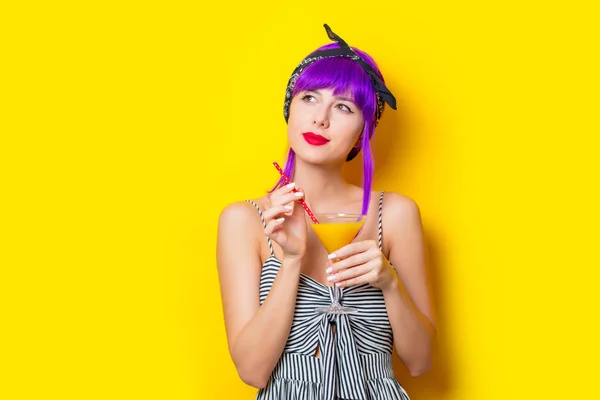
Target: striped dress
column 356, row 357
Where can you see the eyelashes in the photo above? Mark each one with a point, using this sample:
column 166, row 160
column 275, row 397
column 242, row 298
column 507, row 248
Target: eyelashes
column 347, row 109
column 310, row 98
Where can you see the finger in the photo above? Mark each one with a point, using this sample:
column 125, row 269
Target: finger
column 354, row 260
column 273, row 225
column 358, row 280
column 352, row 248
column 350, row 273
column 284, row 189
column 275, row 212
column 287, row 198
column 287, row 189
column 296, row 201
column 291, row 207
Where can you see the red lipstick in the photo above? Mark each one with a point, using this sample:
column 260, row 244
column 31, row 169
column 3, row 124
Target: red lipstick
column 314, row 139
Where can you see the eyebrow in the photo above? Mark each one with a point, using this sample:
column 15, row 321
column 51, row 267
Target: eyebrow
column 337, row 97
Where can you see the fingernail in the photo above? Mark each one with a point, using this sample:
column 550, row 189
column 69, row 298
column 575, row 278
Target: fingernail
column 330, row 278
column 288, row 208
column 299, row 194
column 281, row 220
column 328, row 270
column 291, row 185
column 331, row 256
column 338, row 284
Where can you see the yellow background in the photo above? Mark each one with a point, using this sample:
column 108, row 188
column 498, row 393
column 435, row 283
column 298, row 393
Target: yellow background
column 127, row 126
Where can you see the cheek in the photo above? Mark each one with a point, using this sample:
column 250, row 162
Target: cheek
column 353, row 126
column 294, row 130
column 296, row 115
column 293, row 125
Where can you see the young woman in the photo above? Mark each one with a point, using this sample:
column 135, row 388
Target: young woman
column 273, row 286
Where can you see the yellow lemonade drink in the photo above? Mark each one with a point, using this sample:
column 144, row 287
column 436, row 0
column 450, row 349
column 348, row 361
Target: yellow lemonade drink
column 335, row 233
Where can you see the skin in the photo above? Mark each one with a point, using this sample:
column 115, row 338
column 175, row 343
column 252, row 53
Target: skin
column 257, row 334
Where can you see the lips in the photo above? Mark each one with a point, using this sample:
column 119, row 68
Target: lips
column 314, row 139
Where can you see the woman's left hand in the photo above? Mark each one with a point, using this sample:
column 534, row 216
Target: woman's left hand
column 360, row 262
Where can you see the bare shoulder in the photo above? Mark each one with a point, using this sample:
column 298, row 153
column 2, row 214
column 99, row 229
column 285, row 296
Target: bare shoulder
column 237, row 211
column 240, row 212
column 401, row 209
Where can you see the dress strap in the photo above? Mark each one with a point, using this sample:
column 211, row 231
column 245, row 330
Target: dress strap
column 380, row 227
column 264, row 224
column 379, row 223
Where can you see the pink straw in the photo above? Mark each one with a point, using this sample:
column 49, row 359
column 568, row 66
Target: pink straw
column 287, row 182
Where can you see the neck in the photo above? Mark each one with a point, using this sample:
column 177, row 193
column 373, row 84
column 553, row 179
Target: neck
column 324, row 188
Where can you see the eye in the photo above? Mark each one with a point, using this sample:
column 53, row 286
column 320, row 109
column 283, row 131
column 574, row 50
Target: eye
column 345, row 108
column 308, row 97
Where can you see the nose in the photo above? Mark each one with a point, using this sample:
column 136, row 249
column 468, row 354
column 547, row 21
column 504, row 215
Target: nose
column 321, row 118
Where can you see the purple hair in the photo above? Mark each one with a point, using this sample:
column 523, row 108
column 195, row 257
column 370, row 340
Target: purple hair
column 343, row 76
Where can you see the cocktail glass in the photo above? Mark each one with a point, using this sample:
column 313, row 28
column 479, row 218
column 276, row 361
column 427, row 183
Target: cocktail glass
column 335, row 230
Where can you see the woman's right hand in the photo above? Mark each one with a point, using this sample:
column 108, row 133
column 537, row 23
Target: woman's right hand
column 285, row 221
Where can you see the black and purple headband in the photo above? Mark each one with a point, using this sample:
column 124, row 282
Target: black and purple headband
column 382, row 92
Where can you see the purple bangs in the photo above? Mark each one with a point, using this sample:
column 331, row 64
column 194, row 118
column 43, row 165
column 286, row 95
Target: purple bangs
column 346, row 78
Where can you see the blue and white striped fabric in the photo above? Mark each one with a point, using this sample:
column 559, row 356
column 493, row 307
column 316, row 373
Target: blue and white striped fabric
column 356, row 356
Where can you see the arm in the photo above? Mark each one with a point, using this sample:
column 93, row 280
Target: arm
column 407, row 295
column 256, row 334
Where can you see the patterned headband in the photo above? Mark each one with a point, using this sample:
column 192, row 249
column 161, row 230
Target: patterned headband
column 382, row 92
